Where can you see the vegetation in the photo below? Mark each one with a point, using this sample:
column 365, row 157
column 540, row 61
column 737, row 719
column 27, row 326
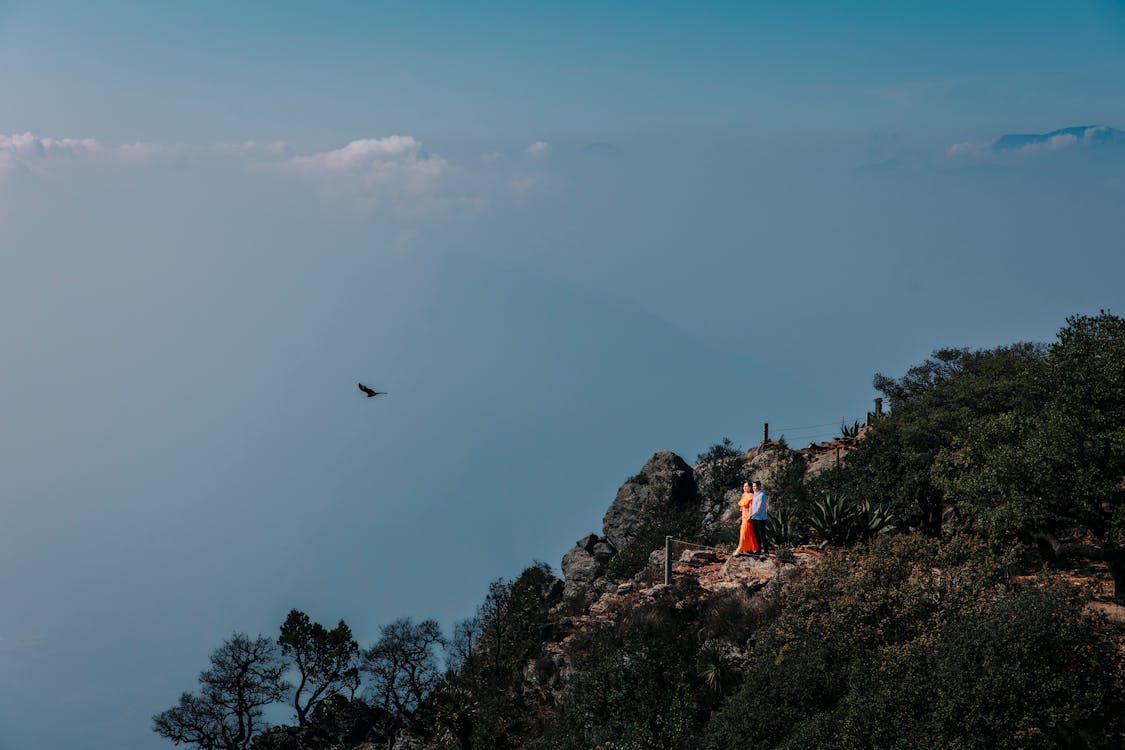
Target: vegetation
column 933, row 620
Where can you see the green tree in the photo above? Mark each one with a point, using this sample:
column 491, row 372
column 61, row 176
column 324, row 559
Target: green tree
column 246, row 675
column 325, row 660
column 930, row 408
column 1055, row 466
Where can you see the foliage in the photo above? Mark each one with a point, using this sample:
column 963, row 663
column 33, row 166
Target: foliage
column 910, row 643
column 1056, row 462
column 635, row 682
column 480, row 701
column 930, row 406
column 403, row 668
column 680, row 522
column 833, row 520
column 724, row 449
column 246, row 675
column 325, row 661
column 787, row 487
column 838, row 521
column 849, row 430
column 782, row 527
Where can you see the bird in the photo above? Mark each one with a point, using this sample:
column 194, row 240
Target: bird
column 370, row 393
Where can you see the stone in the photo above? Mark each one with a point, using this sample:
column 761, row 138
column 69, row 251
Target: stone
column 1110, row 610
column 603, row 551
column 666, row 484
column 585, row 562
column 697, row 558
column 747, row 568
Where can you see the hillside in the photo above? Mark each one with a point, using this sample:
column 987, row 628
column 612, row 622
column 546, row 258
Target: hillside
column 948, row 574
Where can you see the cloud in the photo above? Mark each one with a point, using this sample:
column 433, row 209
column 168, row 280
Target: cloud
column 1020, row 145
column 539, row 148
column 31, row 152
column 357, row 157
column 392, row 172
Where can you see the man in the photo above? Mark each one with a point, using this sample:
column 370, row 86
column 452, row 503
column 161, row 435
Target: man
column 759, row 511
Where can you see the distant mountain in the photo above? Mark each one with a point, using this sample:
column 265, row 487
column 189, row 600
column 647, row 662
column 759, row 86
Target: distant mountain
column 1093, row 135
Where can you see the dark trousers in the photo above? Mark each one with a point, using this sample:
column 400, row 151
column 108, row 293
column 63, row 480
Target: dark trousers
column 760, row 533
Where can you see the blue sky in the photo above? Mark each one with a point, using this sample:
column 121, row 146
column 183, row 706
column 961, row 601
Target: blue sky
column 563, row 236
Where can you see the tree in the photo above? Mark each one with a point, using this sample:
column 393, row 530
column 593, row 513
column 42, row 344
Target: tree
column 403, row 667
column 930, row 408
column 325, row 661
column 1058, row 468
column 245, row 676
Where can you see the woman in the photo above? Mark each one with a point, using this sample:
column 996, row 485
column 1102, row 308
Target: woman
column 747, row 542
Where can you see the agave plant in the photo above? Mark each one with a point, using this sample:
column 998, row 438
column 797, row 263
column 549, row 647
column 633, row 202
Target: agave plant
column 834, row 520
column 875, row 519
column 849, row 430
column 782, row 527
column 718, row 669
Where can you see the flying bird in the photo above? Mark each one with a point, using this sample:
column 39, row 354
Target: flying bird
column 370, row 393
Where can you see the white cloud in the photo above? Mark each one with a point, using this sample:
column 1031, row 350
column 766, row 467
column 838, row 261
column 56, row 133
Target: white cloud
column 357, row 157
column 391, row 172
column 32, row 152
column 539, row 148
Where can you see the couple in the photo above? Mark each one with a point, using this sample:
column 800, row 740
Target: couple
column 755, row 507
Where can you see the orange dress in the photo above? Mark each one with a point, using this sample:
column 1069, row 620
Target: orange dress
column 747, row 542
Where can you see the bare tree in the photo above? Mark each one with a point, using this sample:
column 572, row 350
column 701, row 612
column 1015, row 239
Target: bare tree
column 403, row 666
column 325, row 661
column 245, row 676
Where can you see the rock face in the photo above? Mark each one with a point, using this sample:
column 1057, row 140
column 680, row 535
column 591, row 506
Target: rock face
column 666, row 484
column 585, row 562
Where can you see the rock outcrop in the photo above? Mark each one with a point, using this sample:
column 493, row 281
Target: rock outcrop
column 584, row 562
column 666, row 484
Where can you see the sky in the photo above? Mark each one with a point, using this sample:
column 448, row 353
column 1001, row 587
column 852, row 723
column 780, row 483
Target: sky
column 561, row 236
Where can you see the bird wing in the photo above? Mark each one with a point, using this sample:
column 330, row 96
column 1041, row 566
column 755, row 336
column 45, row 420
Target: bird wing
column 365, row 389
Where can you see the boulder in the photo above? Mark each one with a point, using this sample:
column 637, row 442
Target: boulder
column 666, row 484
column 748, row 568
column 697, row 558
column 763, row 462
column 584, row 562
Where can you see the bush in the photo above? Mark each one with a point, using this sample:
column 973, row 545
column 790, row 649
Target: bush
column 909, row 643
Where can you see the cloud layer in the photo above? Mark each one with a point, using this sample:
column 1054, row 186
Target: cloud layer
column 1018, row 145
column 392, row 172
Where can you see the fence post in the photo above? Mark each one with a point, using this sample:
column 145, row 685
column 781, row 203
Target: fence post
column 667, row 559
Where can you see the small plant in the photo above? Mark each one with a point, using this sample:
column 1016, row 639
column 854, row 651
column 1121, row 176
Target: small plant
column 718, row 669
column 785, row 554
column 638, row 478
column 782, row 527
column 849, row 430
column 875, row 519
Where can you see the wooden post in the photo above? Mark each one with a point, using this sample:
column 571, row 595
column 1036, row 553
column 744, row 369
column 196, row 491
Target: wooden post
column 667, row 559
column 765, row 432
column 878, row 407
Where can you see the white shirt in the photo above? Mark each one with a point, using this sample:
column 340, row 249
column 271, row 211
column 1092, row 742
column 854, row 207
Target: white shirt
column 759, row 506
